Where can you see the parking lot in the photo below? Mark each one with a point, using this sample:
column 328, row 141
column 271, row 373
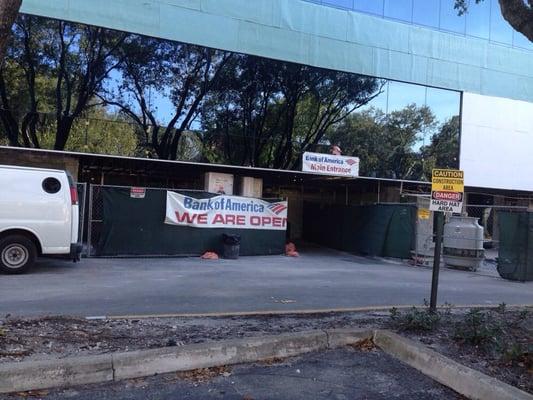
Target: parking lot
column 318, row 279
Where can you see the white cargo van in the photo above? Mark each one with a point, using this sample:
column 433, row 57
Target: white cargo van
column 38, row 216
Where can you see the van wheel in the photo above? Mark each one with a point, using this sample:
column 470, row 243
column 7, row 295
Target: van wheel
column 17, row 254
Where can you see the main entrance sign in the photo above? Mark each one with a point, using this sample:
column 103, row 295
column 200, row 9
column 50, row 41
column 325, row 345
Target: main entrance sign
column 447, row 190
column 328, row 164
column 225, row 212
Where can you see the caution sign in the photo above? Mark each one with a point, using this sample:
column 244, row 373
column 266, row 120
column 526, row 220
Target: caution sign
column 447, row 190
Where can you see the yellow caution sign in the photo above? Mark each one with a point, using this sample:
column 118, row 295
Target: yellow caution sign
column 424, row 213
column 447, row 180
column 447, row 190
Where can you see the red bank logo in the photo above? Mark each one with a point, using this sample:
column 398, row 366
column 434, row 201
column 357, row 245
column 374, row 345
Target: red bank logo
column 277, row 208
column 351, row 162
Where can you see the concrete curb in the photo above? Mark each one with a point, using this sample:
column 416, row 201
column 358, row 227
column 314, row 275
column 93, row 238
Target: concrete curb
column 466, row 381
column 317, row 311
column 32, row 375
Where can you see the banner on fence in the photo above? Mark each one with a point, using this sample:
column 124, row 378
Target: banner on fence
column 225, row 212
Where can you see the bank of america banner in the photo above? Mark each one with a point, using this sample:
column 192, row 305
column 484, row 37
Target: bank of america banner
column 328, row 164
column 225, row 212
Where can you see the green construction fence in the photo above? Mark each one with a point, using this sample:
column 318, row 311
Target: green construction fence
column 515, row 254
column 135, row 227
column 384, row 230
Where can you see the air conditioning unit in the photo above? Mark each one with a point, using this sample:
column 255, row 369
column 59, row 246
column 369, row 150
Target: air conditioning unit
column 251, row 187
column 216, row 182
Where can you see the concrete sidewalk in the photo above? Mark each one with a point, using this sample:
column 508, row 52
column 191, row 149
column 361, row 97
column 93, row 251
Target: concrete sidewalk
column 319, row 279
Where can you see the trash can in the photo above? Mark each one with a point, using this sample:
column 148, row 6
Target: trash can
column 232, row 246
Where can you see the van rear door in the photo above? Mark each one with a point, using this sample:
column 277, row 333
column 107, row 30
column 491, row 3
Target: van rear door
column 74, row 202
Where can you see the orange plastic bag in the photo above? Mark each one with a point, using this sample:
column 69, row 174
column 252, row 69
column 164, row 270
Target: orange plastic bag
column 290, row 250
column 209, row 255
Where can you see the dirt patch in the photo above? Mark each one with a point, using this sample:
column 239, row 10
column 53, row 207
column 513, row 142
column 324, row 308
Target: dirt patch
column 40, row 338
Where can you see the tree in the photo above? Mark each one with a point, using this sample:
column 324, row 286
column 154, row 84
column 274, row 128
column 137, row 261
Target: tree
column 443, row 151
column 518, row 13
column 97, row 131
column 267, row 113
column 53, row 66
column 184, row 73
column 386, row 143
column 8, row 14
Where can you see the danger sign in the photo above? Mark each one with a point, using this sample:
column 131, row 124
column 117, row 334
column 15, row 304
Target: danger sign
column 447, row 190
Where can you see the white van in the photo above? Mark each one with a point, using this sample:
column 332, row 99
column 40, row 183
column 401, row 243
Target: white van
column 38, row 216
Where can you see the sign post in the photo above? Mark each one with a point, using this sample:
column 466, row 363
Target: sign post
column 436, row 262
column 447, row 192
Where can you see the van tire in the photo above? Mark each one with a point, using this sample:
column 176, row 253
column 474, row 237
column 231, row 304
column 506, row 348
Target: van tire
column 17, row 254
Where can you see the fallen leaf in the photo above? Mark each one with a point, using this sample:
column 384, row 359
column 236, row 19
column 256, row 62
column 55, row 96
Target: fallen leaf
column 364, row 345
column 33, row 393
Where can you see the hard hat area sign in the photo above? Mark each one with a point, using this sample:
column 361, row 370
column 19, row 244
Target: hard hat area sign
column 447, row 190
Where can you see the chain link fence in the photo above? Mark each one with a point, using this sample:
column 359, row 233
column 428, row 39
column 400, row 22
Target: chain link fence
column 95, row 218
column 487, row 216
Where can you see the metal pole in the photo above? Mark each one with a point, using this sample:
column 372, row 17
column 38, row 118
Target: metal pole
column 90, row 221
column 436, row 262
column 346, row 193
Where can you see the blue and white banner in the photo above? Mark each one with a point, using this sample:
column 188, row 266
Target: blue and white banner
column 328, row 164
column 225, row 212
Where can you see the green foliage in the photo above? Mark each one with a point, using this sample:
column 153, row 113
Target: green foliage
column 53, row 72
column 519, row 352
column 443, row 151
column 415, row 320
column 491, row 331
column 386, row 143
column 98, row 132
column 478, row 328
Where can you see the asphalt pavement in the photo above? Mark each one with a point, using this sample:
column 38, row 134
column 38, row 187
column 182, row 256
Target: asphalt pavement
column 341, row 374
column 318, row 279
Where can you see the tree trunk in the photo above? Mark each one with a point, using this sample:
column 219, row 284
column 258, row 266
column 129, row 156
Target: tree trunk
column 64, row 125
column 8, row 13
column 519, row 15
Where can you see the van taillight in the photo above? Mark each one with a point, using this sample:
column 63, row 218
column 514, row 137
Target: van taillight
column 74, row 195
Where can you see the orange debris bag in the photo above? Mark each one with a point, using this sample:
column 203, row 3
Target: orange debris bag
column 209, row 255
column 290, row 250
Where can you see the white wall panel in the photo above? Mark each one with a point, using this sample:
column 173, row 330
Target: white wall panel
column 497, row 142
